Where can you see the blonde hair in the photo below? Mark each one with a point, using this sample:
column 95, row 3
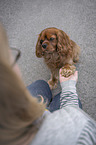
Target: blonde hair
column 18, row 109
column 4, row 46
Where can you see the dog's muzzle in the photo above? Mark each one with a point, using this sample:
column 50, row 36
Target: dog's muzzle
column 44, row 45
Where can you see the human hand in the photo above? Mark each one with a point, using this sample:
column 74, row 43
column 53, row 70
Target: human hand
column 72, row 77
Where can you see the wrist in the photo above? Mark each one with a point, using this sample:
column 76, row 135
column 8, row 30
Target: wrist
column 69, row 85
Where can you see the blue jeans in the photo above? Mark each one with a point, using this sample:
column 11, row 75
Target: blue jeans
column 40, row 87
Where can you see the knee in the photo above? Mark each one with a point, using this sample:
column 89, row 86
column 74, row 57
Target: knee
column 40, row 82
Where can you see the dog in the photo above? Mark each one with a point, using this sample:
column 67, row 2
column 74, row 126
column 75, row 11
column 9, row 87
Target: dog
column 58, row 51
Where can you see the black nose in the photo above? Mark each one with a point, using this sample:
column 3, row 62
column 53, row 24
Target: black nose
column 44, row 46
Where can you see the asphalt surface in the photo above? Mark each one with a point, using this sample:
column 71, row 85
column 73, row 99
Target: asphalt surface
column 25, row 19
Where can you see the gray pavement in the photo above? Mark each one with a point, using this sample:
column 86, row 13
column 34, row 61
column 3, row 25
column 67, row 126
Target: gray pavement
column 25, row 19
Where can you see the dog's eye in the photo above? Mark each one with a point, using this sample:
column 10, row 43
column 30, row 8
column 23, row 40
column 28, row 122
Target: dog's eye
column 41, row 41
column 51, row 38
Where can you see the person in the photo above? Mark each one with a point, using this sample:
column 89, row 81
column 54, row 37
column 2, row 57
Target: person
column 24, row 119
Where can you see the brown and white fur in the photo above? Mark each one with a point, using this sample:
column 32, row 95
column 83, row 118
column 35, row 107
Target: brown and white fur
column 58, row 50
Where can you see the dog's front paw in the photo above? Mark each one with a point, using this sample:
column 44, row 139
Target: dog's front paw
column 52, row 84
column 68, row 70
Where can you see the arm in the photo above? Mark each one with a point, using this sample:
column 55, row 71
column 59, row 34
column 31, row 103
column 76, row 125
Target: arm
column 83, row 124
column 68, row 95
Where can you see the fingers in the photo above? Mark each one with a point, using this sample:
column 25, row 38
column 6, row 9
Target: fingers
column 76, row 75
column 60, row 71
column 71, row 77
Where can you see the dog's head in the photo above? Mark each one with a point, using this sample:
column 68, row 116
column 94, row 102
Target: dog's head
column 51, row 40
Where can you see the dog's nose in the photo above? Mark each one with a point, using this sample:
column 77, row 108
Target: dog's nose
column 44, row 45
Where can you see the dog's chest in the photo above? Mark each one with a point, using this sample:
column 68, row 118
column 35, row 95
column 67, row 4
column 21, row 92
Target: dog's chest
column 54, row 60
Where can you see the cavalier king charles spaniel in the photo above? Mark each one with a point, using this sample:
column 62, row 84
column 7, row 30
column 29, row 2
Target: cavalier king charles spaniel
column 58, row 51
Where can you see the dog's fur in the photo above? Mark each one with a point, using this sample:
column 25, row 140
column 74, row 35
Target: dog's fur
column 58, row 50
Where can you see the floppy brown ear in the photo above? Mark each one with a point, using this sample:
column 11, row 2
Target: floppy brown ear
column 38, row 48
column 76, row 51
column 64, row 44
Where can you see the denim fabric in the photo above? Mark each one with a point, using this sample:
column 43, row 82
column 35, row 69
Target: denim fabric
column 55, row 104
column 40, row 87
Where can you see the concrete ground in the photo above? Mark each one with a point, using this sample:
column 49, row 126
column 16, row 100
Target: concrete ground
column 25, row 19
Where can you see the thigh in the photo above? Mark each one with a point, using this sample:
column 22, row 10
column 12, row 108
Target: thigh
column 80, row 104
column 40, row 87
column 55, row 104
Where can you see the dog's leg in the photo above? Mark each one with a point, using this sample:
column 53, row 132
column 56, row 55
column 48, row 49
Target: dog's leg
column 53, row 80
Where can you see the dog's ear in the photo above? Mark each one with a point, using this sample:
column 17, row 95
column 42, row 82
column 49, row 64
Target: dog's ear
column 38, row 47
column 64, row 44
